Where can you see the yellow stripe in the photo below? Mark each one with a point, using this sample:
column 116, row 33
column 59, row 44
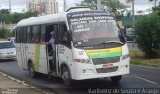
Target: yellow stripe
column 35, row 55
column 111, row 50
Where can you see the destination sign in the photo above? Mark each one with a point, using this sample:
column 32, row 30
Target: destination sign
column 88, row 17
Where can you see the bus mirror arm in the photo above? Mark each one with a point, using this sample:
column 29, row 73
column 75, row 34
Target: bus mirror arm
column 122, row 35
column 70, row 35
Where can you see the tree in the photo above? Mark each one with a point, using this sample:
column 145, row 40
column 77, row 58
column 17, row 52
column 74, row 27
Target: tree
column 111, row 4
column 6, row 17
column 4, row 33
column 90, row 3
column 156, row 10
column 4, row 11
column 147, row 34
column 155, row 2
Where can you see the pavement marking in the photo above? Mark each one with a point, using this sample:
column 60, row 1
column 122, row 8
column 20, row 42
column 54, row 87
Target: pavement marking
column 145, row 67
column 143, row 79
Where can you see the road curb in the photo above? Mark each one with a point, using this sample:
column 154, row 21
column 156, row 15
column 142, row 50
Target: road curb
column 23, row 83
column 145, row 67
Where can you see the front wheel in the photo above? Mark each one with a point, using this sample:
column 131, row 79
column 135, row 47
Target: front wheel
column 66, row 76
column 116, row 79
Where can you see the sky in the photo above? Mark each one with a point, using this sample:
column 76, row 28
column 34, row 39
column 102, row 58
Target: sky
column 19, row 5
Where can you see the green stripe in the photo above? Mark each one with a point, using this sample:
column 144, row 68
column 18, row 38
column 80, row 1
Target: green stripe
column 37, row 56
column 103, row 55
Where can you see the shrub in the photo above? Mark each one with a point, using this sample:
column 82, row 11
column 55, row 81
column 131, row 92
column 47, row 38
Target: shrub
column 135, row 61
column 147, row 34
column 4, row 33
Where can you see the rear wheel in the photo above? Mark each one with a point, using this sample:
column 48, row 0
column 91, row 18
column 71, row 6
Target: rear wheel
column 31, row 70
column 116, row 79
column 66, row 76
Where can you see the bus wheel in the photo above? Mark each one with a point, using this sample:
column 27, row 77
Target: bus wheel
column 116, row 79
column 31, row 70
column 66, row 76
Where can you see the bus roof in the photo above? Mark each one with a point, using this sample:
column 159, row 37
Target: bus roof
column 49, row 18
column 42, row 19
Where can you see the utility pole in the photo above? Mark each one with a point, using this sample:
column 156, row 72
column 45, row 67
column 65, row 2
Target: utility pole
column 10, row 6
column 64, row 5
column 98, row 4
column 133, row 17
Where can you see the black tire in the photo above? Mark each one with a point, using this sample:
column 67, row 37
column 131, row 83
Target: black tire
column 31, row 70
column 116, row 79
column 66, row 76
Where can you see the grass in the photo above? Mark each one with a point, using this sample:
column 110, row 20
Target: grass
column 137, row 58
column 1, row 39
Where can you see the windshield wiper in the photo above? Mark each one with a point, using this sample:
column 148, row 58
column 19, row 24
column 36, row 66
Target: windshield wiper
column 112, row 42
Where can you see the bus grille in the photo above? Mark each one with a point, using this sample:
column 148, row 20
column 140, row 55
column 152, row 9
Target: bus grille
column 107, row 70
column 98, row 61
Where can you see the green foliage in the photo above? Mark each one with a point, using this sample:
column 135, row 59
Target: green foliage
column 4, row 33
column 15, row 17
column 90, row 3
column 135, row 61
column 4, row 11
column 13, row 34
column 156, row 10
column 128, row 26
column 147, row 32
column 112, row 4
column 119, row 17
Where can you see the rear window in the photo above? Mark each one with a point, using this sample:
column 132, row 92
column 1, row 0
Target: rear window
column 6, row 45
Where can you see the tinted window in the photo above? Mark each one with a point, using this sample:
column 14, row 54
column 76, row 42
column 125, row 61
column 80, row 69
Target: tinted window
column 36, row 34
column 6, row 45
column 43, row 31
column 24, row 34
column 18, row 35
column 21, row 35
column 29, row 34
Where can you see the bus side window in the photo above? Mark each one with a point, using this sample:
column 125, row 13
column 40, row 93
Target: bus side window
column 29, row 34
column 18, row 35
column 21, row 35
column 36, row 34
column 24, row 35
column 43, row 33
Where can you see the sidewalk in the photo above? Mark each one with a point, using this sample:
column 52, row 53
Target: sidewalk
column 9, row 85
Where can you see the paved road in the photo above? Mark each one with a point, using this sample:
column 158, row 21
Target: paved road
column 138, row 78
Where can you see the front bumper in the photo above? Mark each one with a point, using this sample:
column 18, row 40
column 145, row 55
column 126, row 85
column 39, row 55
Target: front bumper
column 91, row 72
column 101, row 75
column 5, row 56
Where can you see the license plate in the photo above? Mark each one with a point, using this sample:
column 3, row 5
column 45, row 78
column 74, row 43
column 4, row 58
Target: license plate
column 9, row 56
column 107, row 65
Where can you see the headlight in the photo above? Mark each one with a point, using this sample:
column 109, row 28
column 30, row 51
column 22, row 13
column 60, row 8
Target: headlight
column 125, row 56
column 82, row 60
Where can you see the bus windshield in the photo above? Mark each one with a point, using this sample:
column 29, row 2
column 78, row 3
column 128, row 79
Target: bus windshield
column 92, row 29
